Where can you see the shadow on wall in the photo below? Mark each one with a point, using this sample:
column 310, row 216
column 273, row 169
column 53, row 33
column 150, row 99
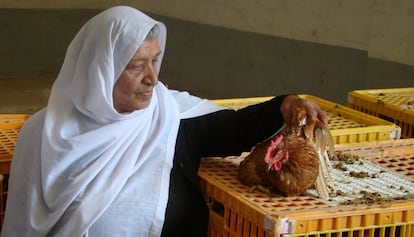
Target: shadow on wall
column 208, row 61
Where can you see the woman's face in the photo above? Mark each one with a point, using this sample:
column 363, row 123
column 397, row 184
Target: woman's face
column 133, row 90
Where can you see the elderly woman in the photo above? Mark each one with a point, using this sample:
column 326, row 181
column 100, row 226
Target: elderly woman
column 116, row 153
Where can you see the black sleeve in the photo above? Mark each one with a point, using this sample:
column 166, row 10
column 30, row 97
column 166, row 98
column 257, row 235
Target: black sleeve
column 230, row 132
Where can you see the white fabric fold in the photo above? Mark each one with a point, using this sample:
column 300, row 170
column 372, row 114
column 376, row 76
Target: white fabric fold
column 79, row 157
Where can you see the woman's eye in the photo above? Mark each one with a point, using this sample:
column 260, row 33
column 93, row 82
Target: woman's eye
column 136, row 68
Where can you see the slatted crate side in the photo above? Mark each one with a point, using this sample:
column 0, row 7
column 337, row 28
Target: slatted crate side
column 3, row 197
column 226, row 221
column 396, row 230
column 231, row 222
column 235, row 224
column 3, row 192
column 395, row 105
column 238, row 221
column 346, row 125
column 229, row 214
column 215, row 225
column 352, row 216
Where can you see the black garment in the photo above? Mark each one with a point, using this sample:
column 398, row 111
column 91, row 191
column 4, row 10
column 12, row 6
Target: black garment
column 222, row 133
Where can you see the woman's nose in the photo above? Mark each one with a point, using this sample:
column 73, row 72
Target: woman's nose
column 151, row 76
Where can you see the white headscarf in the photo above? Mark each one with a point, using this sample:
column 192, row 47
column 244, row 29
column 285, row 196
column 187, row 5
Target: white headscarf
column 88, row 151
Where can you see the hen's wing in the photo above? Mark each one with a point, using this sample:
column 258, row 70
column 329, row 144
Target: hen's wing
column 320, row 137
column 253, row 169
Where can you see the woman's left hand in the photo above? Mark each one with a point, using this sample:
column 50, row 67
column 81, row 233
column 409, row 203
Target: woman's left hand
column 313, row 110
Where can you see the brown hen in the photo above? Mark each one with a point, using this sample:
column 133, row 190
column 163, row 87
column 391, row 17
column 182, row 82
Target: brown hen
column 289, row 161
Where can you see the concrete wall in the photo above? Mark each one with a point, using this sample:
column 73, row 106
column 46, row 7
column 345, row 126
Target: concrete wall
column 243, row 48
column 382, row 27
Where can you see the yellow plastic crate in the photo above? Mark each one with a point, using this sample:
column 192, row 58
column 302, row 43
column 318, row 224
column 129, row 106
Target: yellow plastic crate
column 395, row 105
column 346, row 125
column 10, row 125
column 237, row 212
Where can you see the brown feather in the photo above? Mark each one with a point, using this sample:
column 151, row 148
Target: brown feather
column 300, row 171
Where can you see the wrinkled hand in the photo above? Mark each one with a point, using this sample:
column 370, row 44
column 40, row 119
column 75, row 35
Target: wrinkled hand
column 312, row 109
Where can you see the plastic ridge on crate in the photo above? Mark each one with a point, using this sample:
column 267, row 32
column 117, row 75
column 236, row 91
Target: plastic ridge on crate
column 345, row 124
column 396, row 230
column 237, row 212
column 393, row 104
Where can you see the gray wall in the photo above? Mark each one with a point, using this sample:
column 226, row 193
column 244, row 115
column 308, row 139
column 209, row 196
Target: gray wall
column 208, row 60
column 381, row 27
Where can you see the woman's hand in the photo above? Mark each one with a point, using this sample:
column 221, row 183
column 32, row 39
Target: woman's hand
column 312, row 109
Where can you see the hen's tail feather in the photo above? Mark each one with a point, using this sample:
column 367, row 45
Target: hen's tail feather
column 325, row 169
column 329, row 140
column 324, row 143
column 321, row 185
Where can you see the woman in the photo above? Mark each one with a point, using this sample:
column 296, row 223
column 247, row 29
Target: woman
column 115, row 153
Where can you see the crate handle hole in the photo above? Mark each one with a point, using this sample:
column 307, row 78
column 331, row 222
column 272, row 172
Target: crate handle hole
column 217, row 207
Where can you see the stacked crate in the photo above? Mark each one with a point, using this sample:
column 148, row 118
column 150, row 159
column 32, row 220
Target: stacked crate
column 10, row 125
column 346, row 125
column 394, row 104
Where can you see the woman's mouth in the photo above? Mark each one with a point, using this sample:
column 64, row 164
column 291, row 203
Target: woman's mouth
column 146, row 94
